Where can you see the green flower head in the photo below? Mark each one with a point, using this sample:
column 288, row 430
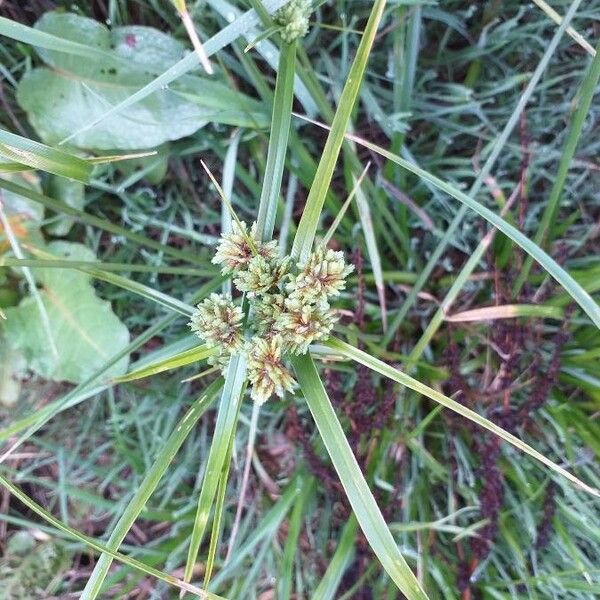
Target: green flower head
column 267, row 312
column 218, row 321
column 260, row 275
column 323, row 275
column 287, row 307
column 266, row 371
column 293, row 19
column 236, row 249
column 302, row 324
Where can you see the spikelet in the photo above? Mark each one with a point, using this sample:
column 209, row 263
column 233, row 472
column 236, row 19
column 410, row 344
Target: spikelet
column 293, row 19
column 266, row 371
column 301, row 324
column 218, row 321
column 236, row 249
column 322, row 276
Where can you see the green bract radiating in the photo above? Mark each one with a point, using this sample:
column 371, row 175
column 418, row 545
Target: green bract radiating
column 289, row 307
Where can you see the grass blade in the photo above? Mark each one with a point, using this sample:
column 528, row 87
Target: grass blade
column 314, row 203
column 102, row 224
column 284, row 588
column 173, row 362
column 366, row 220
column 506, row 311
column 344, row 553
column 7, row 261
column 365, row 508
column 395, row 375
column 278, row 140
column 133, row 286
column 584, row 100
column 214, row 44
column 231, row 399
column 585, row 301
column 498, row 145
column 42, row 157
column 218, row 515
column 142, row 494
column 92, row 543
column 570, row 30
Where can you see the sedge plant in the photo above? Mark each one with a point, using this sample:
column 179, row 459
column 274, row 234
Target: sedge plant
column 261, row 341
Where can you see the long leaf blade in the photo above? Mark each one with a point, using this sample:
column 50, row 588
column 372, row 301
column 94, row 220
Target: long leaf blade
column 181, row 359
column 395, row 375
column 229, row 405
column 585, row 301
column 361, row 499
column 42, row 157
column 142, row 494
column 307, row 227
column 92, row 543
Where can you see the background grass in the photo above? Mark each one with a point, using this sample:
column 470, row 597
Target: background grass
column 473, row 517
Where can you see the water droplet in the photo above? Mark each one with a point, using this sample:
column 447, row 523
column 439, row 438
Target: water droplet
column 231, row 16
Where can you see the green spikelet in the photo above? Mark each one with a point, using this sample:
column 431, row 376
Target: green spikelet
column 266, row 371
column 322, row 276
column 293, row 19
column 218, row 321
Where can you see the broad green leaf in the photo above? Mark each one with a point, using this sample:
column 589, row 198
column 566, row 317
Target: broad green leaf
column 71, row 91
column 17, row 206
column 228, row 34
column 31, row 423
column 359, row 495
column 173, row 362
column 142, row 494
column 12, row 369
column 402, row 378
column 84, row 328
column 42, row 157
column 307, row 227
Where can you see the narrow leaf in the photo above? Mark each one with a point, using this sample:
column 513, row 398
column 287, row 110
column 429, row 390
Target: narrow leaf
column 314, row 203
column 359, row 495
column 42, row 157
column 278, row 140
column 173, row 362
column 394, row 374
column 231, row 398
column 138, row 502
column 92, row 543
column 585, row 301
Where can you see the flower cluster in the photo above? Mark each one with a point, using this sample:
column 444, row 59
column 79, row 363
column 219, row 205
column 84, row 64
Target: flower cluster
column 288, row 303
column 293, row 19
